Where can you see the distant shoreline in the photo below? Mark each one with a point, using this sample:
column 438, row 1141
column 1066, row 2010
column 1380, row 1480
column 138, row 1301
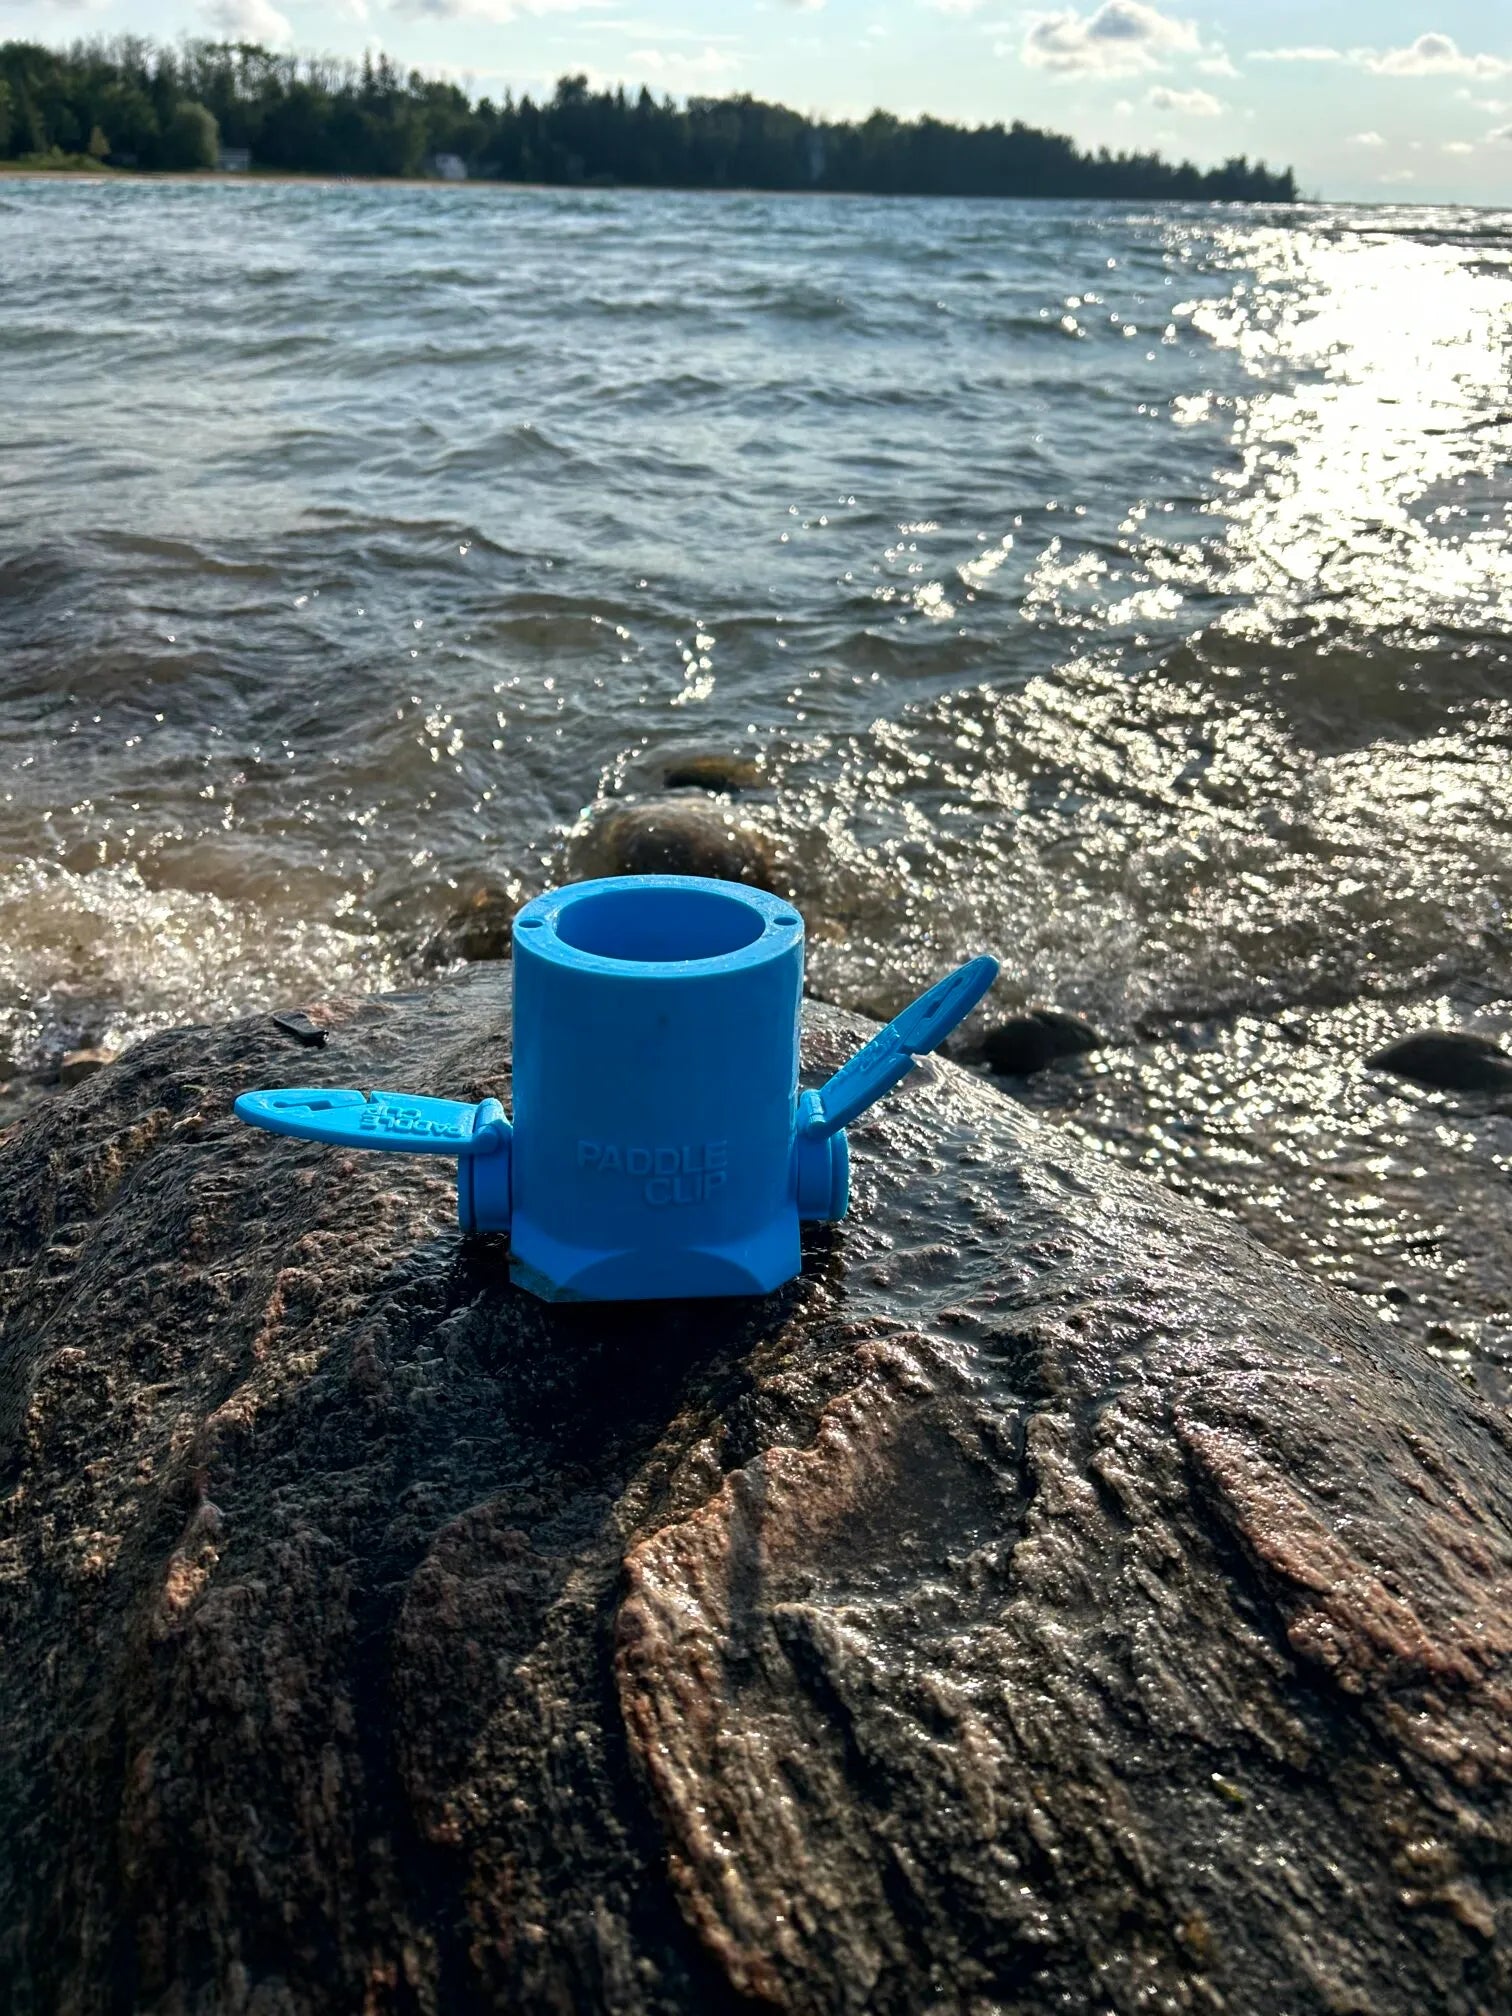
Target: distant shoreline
column 307, row 178
column 142, row 107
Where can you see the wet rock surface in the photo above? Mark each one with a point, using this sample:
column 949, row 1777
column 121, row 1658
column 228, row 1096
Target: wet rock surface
column 76, row 1065
column 673, row 836
column 1395, row 1193
column 1052, row 1602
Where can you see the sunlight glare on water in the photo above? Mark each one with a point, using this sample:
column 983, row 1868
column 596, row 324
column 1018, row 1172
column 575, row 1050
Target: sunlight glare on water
column 1386, row 433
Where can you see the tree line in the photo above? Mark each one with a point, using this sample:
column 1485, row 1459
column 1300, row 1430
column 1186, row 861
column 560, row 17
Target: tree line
column 131, row 103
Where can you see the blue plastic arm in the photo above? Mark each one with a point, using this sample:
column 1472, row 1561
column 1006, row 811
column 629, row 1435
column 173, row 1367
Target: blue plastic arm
column 401, row 1121
column 893, row 1052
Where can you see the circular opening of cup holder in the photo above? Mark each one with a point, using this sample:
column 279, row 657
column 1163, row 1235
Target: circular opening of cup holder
column 658, row 927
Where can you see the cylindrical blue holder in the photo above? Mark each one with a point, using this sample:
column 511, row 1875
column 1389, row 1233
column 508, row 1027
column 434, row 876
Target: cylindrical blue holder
column 660, row 1146
column 655, row 1083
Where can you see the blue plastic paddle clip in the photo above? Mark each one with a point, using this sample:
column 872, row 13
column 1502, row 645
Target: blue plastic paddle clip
column 479, row 1136
column 660, row 1144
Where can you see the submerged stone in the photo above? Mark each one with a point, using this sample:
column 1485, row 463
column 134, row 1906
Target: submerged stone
column 712, row 770
column 1051, row 1602
column 1024, row 1044
column 479, row 928
column 1451, row 1060
column 673, row 836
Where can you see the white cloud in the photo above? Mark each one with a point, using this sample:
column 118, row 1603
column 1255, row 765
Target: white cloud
column 1397, row 175
column 642, row 30
column 484, row 10
column 957, row 7
column 1121, row 36
column 1458, row 147
column 1500, row 133
column 1309, row 53
column 1218, row 64
column 676, row 70
column 351, row 10
column 1192, row 104
column 1371, row 139
column 1434, row 56
column 249, row 21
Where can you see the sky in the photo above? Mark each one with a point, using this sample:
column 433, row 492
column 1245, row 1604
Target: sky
column 1373, row 100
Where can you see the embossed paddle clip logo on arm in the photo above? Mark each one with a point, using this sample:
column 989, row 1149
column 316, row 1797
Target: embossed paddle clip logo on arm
column 660, row 1144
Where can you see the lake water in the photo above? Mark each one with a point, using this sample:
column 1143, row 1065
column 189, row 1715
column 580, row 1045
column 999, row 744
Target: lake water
column 1124, row 590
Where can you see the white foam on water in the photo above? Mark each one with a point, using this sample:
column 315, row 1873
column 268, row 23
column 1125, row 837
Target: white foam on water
column 105, row 958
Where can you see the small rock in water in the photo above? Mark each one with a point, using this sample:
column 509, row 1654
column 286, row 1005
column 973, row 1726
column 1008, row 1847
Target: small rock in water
column 77, row 1064
column 673, row 836
column 1028, row 1043
column 479, row 929
column 712, row 771
column 1451, row 1060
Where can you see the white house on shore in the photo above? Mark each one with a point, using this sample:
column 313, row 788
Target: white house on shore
column 234, row 160
column 448, row 167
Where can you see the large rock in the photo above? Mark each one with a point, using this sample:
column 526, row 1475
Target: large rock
column 672, row 836
column 1052, row 1603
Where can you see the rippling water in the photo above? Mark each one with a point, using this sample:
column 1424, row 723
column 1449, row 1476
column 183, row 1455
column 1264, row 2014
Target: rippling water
column 1127, row 590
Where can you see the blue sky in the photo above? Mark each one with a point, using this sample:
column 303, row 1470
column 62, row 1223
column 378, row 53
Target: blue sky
column 1386, row 100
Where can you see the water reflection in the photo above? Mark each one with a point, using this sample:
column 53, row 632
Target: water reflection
column 1369, row 488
